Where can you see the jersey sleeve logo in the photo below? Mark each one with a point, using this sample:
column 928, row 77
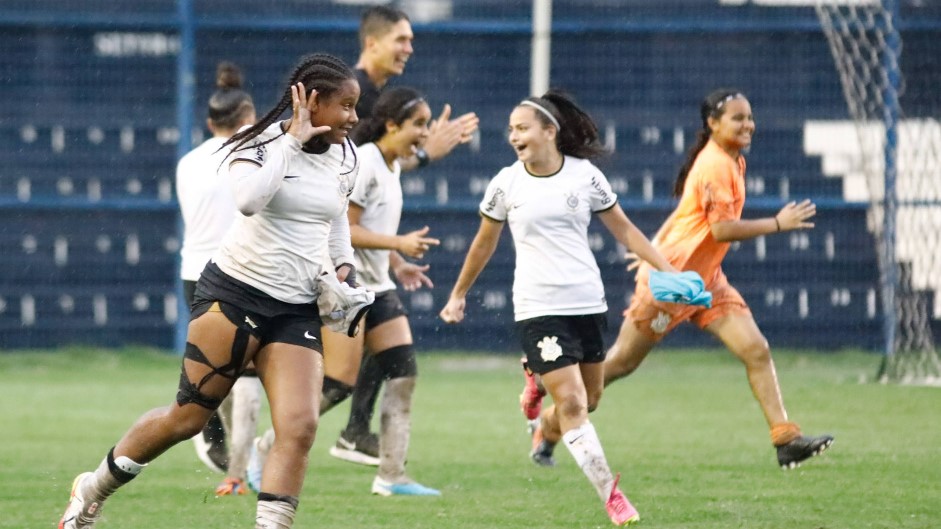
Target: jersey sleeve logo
column 549, row 348
column 493, row 200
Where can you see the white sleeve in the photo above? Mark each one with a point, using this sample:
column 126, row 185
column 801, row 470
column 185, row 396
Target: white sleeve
column 258, row 176
column 341, row 248
column 493, row 204
column 601, row 196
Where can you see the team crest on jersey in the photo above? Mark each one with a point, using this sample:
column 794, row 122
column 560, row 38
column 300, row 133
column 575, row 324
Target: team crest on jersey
column 549, row 348
column 345, row 188
column 660, row 323
column 571, row 200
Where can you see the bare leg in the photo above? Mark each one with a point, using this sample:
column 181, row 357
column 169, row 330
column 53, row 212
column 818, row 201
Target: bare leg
column 292, row 376
column 742, row 337
column 625, row 356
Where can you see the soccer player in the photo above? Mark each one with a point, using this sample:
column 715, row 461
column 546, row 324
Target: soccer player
column 385, row 36
column 696, row 236
column 256, row 300
column 548, row 198
column 208, row 209
column 397, row 127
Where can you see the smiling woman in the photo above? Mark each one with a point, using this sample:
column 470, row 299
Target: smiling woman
column 548, row 198
column 256, row 299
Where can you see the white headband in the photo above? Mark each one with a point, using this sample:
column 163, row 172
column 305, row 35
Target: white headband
column 542, row 109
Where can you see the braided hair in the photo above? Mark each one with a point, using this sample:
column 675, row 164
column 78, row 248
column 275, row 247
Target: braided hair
column 711, row 107
column 396, row 105
column 319, row 71
column 229, row 105
column 577, row 134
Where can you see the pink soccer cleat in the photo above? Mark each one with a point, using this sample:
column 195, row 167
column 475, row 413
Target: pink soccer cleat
column 531, row 397
column 619, row 508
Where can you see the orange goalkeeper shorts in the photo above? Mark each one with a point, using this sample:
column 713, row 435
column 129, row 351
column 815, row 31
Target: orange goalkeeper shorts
column 655, row 319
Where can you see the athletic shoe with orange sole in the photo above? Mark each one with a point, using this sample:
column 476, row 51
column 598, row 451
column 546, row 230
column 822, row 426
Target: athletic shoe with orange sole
column 619, row 508
column 77, row 509
column 531, row 397
column 231, row 487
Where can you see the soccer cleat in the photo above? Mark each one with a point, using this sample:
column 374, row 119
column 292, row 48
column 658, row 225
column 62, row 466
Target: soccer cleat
column 231, row 487
column 256, row 465
column 77, row 515
column 792, row 454
column 531, row 397
column 386, row 488
column 619, row 508
column 541, row 453
column 210, row 445
column 359, row 449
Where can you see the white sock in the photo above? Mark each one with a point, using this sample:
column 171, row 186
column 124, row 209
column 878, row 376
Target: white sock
column 274, row 514
column 243, row 423
column 585, row 447
column 395, row 425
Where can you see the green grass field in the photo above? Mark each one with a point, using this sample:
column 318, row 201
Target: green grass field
column 684, row 432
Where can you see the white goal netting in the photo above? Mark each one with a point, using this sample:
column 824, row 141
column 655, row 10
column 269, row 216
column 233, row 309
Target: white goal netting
column 901, row 160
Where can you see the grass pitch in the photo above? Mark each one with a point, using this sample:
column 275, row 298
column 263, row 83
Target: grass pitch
column 684, row 431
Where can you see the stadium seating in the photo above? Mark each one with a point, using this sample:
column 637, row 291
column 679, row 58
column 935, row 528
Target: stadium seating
column 88, row 218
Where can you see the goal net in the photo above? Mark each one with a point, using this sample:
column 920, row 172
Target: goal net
column 900, row 157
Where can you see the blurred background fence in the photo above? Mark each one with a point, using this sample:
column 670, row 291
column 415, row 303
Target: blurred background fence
column 99, row 98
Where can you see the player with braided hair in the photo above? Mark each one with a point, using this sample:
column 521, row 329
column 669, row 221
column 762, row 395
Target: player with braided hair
column 256, row 300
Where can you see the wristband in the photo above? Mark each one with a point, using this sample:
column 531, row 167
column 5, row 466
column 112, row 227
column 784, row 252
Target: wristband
column 423, row 158
column 778, row 224
column 350, row 276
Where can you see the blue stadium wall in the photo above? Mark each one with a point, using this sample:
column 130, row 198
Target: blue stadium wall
column 90, row 132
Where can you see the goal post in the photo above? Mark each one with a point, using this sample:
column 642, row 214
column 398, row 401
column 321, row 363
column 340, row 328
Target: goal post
column 901, row 159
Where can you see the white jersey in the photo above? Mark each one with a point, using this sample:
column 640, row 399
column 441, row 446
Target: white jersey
column 556, row 273
column 296, row 205
column 378, row 190
column 206, row 203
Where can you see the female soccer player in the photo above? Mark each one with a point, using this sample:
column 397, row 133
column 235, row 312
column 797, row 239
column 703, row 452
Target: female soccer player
column 548, row 197
column 696, row 236
column 256, row 299
column 398, row 125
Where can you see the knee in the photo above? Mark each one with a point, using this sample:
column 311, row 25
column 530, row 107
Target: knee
column 594, row 398
column 572, row 406
column 298, row 431
column 756, row 353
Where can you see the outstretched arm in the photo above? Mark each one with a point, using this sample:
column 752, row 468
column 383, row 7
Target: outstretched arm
column 793, row 216
column 478, row 255
column 632, row 238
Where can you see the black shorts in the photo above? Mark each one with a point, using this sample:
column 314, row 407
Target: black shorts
column 554, row 342
column 387, row 306
column 266, row 318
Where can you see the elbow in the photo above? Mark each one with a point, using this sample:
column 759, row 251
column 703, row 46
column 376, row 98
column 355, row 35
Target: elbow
column 246, row 208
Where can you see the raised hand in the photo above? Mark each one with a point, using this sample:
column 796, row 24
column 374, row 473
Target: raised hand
column 415, row 243
column 794, row 215
column 303, row 105
column 445, row 134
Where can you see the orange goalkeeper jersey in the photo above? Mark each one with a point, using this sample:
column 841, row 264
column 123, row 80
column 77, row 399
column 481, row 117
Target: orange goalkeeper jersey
column 714, row 192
